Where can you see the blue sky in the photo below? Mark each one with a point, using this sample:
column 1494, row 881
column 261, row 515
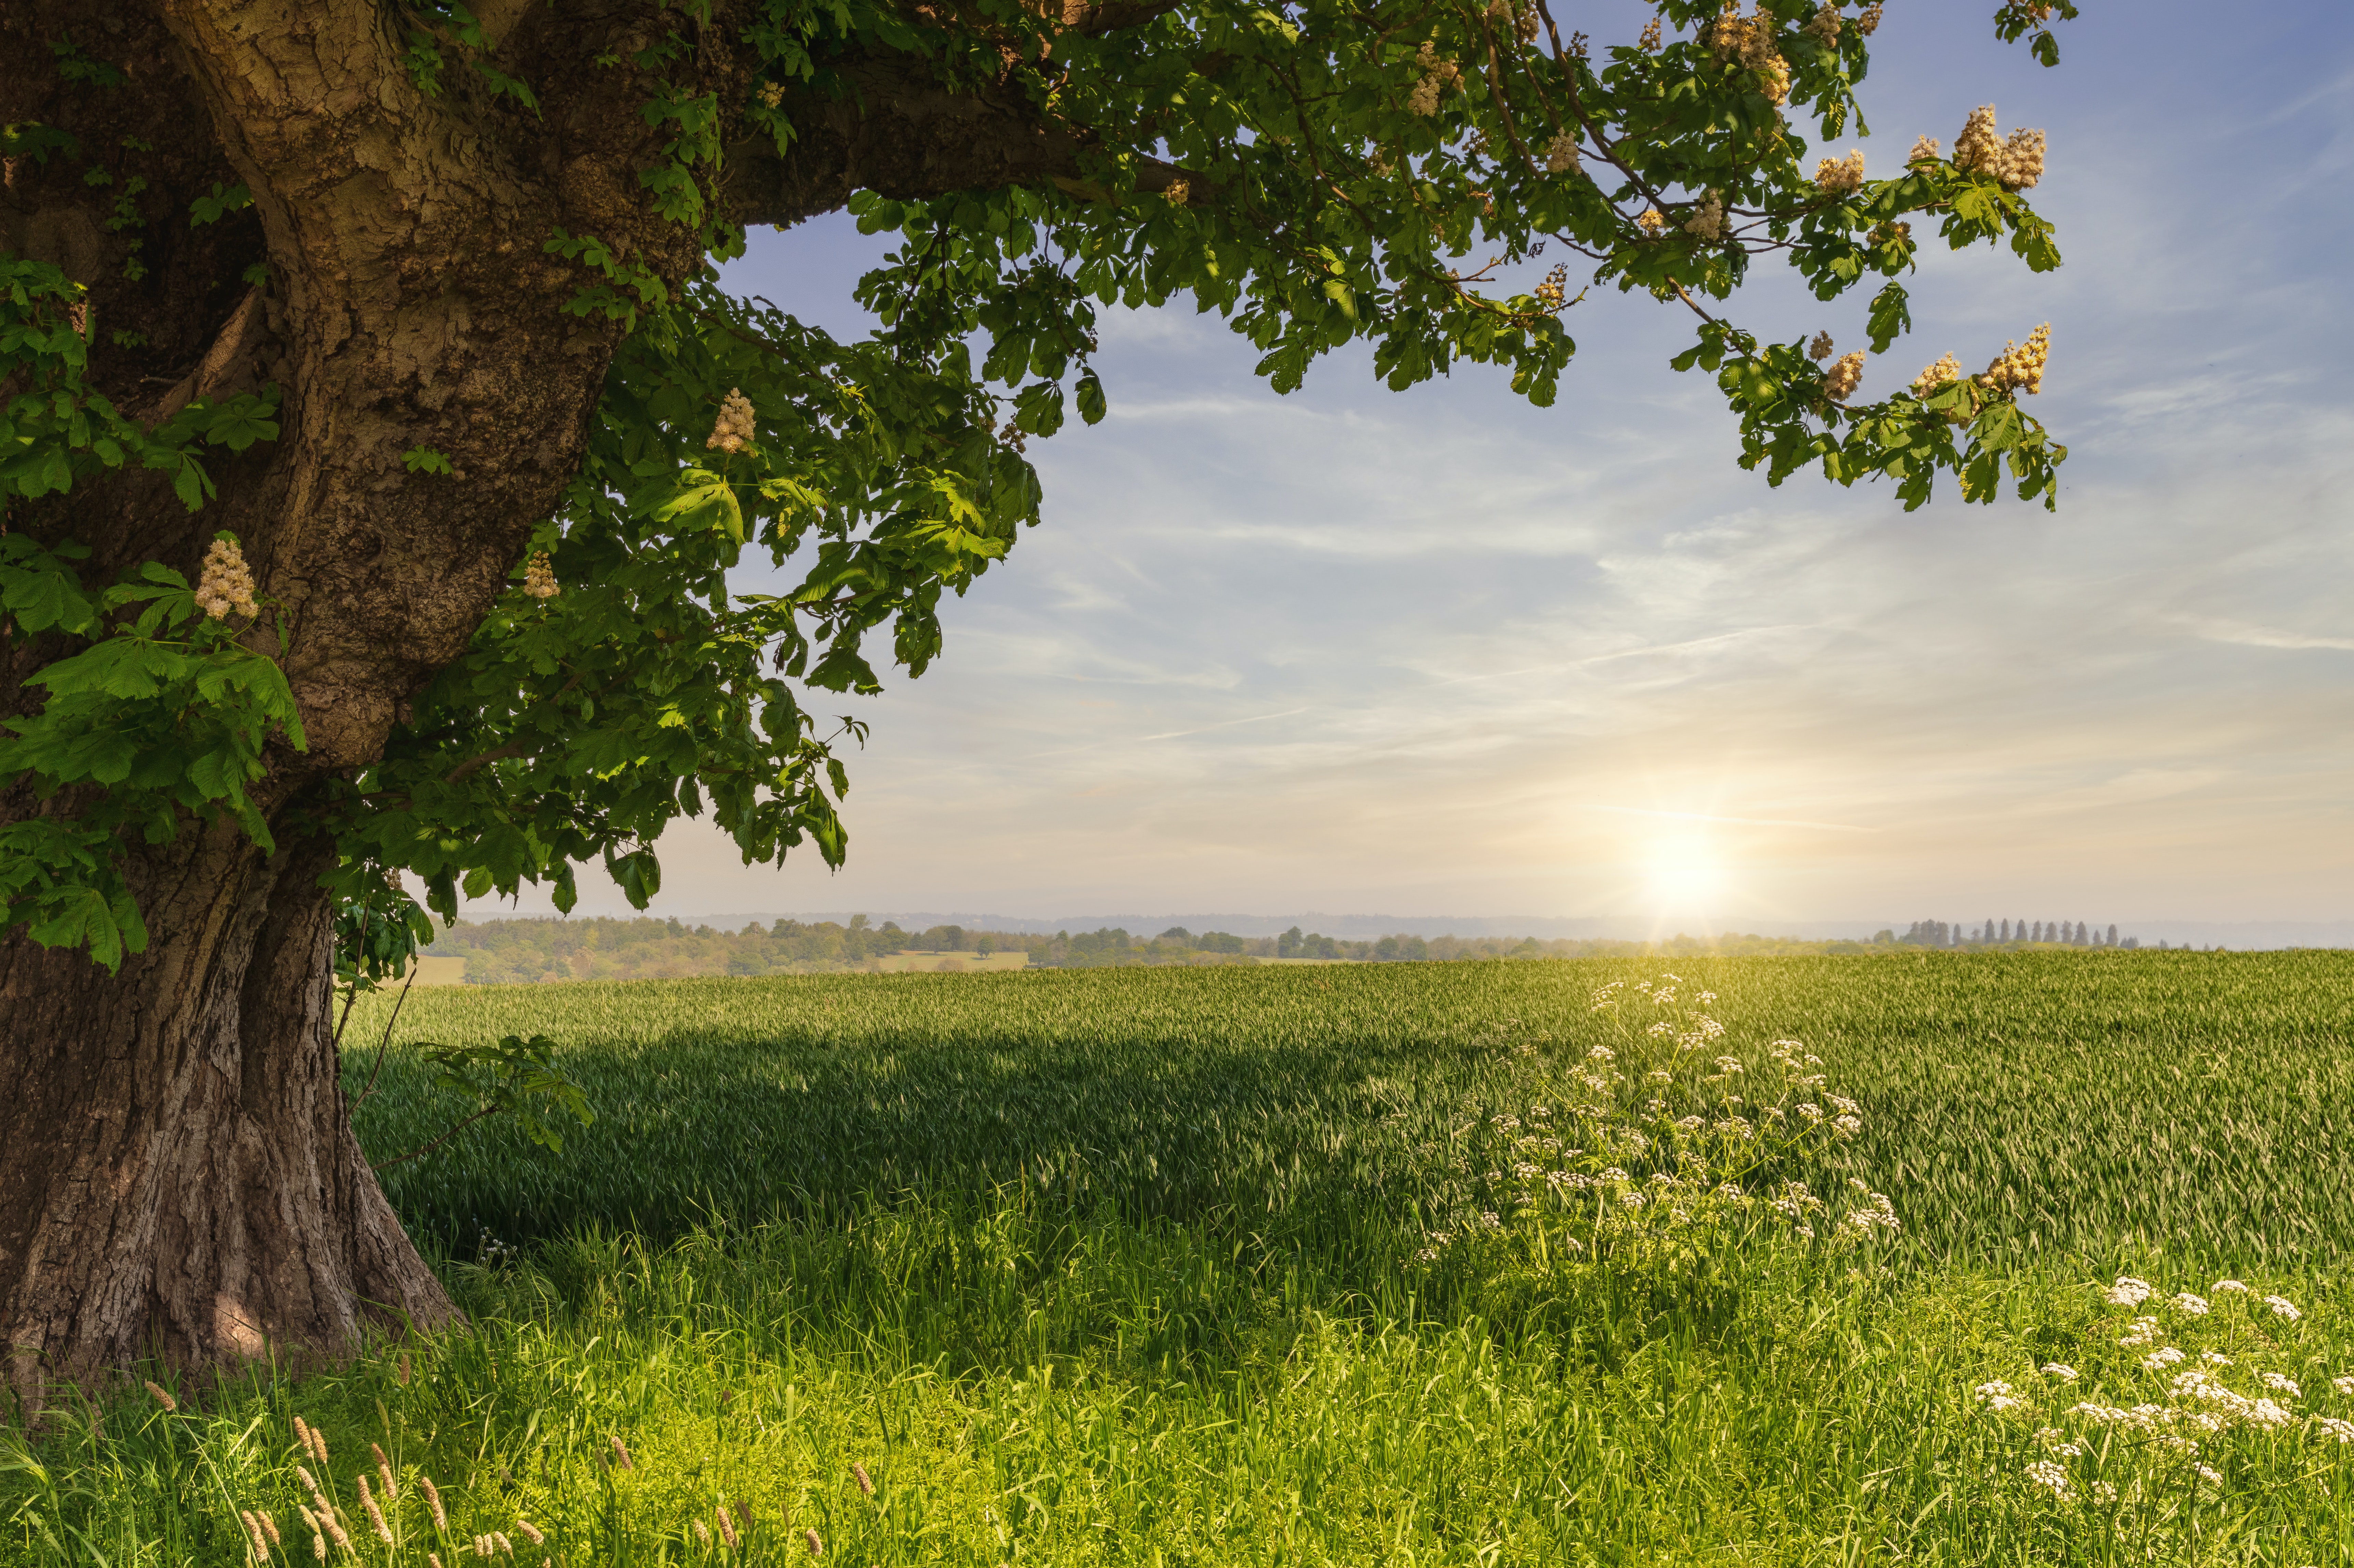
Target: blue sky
column 1438, row 651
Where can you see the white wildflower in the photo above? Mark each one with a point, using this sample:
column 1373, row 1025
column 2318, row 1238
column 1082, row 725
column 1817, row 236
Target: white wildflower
column 1999, row 1396
column 2060, row 1369
column 2194, row 1304
column 2282, row 1308
column 2128, row 1291
column 2053, row 1478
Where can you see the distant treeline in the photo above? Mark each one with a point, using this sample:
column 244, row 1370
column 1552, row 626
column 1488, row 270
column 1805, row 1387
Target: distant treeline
column 2010, row 933
column 523, row 951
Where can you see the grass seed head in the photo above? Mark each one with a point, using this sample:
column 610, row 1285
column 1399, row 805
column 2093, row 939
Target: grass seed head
column 375, row 1513
column 384, row 1474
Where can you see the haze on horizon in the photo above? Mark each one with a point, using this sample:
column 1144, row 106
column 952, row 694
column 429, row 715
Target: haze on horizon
column 1438, row 650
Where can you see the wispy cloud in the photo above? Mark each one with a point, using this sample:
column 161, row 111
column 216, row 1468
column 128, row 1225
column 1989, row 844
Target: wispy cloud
column 1227, row 724
column 1712, row 817
column 2266, row 637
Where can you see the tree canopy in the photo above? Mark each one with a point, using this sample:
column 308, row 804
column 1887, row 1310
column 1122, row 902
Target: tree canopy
column 1318, row 174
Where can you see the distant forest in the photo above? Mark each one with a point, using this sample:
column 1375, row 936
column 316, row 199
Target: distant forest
column 2009, row 934
column 526, row 951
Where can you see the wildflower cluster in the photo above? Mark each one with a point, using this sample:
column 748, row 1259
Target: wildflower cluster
column 1653, row 223
column 2190, row 1389
column 1438, row 75
column 1707, row 220
column 1750, row 40
column 227, row 584
column 1820, row 349
column 1844, row 376
column 2017, row 163
column 1561, row 154
column 1654, row 1147
column 734, row 428
column 1869, row 22
column 1837, row 177
column 1650, row 41
column 1824, row 26
column 539, row 576
column 1925, row 147
column 1553, row 291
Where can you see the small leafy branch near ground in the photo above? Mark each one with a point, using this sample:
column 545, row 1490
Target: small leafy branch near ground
column 515, row 1077
column 1658, row 1155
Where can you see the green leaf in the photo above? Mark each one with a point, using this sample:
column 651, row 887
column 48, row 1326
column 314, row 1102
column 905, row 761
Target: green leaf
column 221, row 201
column 700, row 500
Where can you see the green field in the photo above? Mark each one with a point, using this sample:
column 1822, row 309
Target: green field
column 1123, row 1265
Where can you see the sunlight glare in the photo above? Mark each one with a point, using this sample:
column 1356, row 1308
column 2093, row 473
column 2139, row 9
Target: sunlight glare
column 1683, row 875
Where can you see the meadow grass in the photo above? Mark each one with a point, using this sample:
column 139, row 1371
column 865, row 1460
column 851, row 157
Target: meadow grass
column 1119, row 1267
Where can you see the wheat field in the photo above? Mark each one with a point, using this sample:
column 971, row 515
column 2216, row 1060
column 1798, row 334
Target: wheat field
column 1133, row 1266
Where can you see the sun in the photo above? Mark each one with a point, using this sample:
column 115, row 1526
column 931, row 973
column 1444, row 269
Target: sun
column 1683, row 875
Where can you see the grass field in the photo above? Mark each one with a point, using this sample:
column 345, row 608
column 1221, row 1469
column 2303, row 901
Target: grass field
column 1124, row 1266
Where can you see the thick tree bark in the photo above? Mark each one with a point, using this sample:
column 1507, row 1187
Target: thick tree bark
column 179, row 1168
column 178, row 1173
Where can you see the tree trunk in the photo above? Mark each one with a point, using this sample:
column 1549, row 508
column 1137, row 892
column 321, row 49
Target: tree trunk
column 180, row 1173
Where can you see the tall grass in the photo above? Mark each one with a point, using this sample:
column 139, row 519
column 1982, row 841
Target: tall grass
column 1118, row 1266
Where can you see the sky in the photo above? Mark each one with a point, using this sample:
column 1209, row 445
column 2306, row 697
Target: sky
column 1440, row 653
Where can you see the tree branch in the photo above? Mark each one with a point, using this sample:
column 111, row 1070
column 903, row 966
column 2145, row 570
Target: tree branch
column 429, row 1148
column 892, row 127
column 516, row 748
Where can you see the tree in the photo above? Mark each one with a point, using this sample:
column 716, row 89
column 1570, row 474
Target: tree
column 377, row 441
